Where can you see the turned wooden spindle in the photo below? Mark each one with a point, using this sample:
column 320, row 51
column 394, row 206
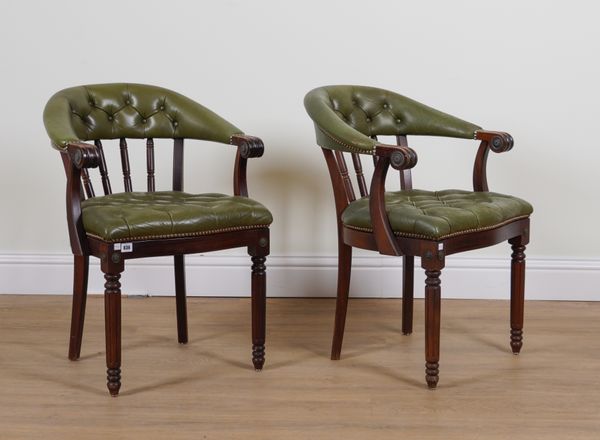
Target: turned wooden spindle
column 432, row 326
column 178, row 164
column 103, row 169
column 125, row 165
column 87, row 184
column 258, row 311
column 150, row 163
column 343, row 169
column 112, row 313
column 517, row 295
column 360, row 177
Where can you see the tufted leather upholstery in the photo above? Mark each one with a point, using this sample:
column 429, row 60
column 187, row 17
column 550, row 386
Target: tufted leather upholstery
column 437, row 215
column 111, row 111
column 168, row 214
column 346, row 116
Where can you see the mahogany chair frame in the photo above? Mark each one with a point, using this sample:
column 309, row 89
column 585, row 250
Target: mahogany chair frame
column 432, row 252
column 78, row 158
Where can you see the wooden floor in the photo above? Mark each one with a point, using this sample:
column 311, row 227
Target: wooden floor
column 208, row 389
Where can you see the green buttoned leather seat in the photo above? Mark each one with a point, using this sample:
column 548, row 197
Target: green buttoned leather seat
column 346, row 117
column 169, row 214
column 437, row 215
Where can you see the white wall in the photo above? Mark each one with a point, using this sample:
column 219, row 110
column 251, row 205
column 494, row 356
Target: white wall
column 529, row 68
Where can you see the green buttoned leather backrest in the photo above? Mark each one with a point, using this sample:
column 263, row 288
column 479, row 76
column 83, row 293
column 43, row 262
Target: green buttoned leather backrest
column 119, row 110
column 346, row 116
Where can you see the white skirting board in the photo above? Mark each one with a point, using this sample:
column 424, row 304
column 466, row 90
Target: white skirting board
column 306, row 276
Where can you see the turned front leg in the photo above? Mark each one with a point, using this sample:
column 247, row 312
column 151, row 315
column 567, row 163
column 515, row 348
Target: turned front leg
column 259, row 280
column 112, row 315
column 517, row 293
column 432, row 326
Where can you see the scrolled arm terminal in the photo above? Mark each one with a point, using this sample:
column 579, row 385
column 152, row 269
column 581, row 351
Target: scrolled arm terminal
column 248, row 146
column 497, row 141
column 401, row 158
column 83, row 155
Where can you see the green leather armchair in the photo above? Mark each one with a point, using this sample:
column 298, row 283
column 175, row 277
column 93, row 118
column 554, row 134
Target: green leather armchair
column 411, row 222
column 118, row 226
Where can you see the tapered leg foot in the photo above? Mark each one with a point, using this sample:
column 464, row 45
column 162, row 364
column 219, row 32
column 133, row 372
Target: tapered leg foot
column 259, row 301
column 80, row 281
column 258, row 356
column 113, row 381
column 516, row 340
column 341, row 305
column 517, row 293
column 432, row 374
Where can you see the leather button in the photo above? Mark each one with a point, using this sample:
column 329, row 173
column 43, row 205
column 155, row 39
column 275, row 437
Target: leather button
column 143, row 121
column 175, row 123
column 398, row 121
column 368, row 119
column 110, row 118
column 162, row 107
column 385, row 106
column 127, row 102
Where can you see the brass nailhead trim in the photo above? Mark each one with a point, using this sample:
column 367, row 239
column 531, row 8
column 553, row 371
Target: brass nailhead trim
column 182, row 235
column 443, row 237
column 349, row 147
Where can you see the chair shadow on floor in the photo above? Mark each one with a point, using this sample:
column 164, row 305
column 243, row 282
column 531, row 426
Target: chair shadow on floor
column 470, row 333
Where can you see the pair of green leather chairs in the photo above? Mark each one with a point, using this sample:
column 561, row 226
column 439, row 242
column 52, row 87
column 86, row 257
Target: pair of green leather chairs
column 121, row 225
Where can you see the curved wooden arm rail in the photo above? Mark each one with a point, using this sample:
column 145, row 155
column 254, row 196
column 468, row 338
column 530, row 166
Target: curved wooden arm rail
column 248, row 146
column 134, row 224
column 498, row 142
column 349, row 119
